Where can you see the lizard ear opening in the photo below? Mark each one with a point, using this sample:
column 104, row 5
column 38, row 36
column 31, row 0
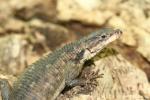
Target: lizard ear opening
column 88, row 62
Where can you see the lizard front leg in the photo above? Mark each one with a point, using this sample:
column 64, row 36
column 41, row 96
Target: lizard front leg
column 5, row 89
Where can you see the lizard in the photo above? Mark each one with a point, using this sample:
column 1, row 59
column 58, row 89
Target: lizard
column 48, row 76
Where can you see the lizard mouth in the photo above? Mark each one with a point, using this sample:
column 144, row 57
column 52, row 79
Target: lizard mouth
column 99, row 45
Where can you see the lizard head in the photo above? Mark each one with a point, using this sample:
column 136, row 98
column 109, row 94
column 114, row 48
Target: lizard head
column 95, row 42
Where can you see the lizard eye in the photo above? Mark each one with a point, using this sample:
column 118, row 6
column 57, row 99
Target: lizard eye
column 103, row 36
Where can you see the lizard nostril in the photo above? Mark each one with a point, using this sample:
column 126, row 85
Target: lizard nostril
column 119, row 31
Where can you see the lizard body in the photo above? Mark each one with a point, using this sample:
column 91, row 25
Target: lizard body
column 47, row 77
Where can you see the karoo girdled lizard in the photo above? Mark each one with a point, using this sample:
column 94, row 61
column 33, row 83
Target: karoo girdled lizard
column 47, row 77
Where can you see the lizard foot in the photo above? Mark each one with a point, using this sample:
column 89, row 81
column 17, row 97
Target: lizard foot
column 84, row 84
column 5, row 89
column 89, row 79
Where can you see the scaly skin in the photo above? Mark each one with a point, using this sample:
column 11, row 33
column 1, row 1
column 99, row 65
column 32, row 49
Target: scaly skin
column 47, row 77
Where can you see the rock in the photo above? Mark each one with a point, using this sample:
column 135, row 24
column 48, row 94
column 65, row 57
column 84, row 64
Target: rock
column 54, row 35
column 143, row 40
column 12, row 54
column 84, row 11
column 14, row 25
